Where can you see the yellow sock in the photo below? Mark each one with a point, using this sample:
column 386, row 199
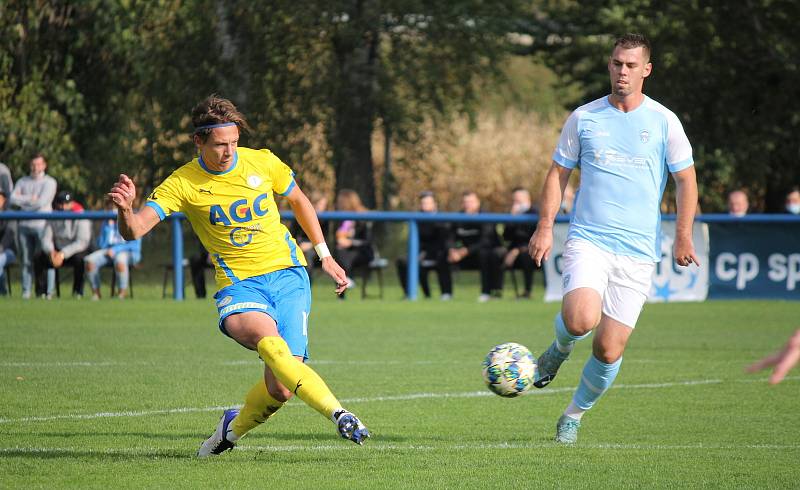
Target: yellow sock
column 258, row 407
column 296, row 376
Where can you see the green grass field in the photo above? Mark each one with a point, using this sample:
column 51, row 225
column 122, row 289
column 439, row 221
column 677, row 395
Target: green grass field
column 120, row 394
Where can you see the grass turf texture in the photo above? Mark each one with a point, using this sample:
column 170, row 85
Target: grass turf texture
column 110, row 393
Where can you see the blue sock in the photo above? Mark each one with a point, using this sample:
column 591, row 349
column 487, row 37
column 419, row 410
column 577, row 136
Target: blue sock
column 597, row 377
column 565, row 341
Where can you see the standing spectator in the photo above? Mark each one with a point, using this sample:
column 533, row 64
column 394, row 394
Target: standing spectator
column 354, row 246
column 8, row 248
column 477, row 245
column 738, row 204
column 34, row 192
column 112, row 250
column 6, row 182
column 433, row 240
column 65, row 242
column 517, row 236
column 793, row 201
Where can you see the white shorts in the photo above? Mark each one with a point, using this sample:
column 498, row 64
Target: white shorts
column 623, row 282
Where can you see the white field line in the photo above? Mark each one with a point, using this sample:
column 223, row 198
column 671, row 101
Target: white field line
column 255, row 362
column 376, row 446
column 410, row 396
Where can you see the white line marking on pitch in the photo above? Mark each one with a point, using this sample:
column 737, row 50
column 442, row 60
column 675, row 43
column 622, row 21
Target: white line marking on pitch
column 410, row 396
column 376, row 446
column 248, row 362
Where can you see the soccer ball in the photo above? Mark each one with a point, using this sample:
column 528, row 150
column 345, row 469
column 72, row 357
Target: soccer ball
column 509, row 369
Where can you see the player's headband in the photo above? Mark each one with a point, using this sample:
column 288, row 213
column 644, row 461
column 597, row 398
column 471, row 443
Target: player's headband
column 212, row 126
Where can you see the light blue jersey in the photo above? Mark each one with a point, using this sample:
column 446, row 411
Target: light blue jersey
column 624, row 158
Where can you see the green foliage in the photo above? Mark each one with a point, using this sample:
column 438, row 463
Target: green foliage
column 728, row 69
column 104, row 86
column 354, row 64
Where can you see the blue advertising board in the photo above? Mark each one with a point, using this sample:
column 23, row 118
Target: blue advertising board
column 754, row 260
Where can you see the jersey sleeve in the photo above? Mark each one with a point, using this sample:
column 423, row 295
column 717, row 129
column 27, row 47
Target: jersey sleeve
column 568, row 151
column 167, row 198
column 679, row 150
column 281, row 175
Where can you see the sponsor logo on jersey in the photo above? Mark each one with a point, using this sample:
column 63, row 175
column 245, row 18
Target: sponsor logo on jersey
column 224, row 301
column 254, row 181
column 240, row 211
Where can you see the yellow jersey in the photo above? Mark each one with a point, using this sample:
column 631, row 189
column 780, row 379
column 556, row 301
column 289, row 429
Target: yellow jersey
column 234, row 213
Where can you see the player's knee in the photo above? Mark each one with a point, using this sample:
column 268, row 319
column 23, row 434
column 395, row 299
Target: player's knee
column 280, row 393
column 580, row 322
column 607, row 352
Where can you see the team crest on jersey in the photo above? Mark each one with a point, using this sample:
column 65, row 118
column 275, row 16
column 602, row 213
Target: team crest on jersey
column 254, row 181
column 644, row 135
column 224, row 301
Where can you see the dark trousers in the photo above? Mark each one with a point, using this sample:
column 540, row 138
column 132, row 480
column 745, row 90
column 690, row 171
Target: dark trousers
column 350, row 258
column 489, row 261
column 42, row 263
column 443, row 272
column 526, row 264
column 197, row 265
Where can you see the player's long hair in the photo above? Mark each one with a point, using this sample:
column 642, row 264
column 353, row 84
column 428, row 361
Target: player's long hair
column 216, row 110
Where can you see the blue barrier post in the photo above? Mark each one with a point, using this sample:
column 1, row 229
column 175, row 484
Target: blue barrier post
column 413, row 259
column 177, row 258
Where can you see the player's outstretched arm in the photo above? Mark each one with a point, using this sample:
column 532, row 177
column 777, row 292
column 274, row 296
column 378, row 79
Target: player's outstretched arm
column 686, row 202
column 131, row 225
column 541, row 243
column 783, row 360
column 306, row 216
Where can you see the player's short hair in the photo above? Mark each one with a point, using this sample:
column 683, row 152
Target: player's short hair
column 38, row 154
column 633, row 40
column 216, row 110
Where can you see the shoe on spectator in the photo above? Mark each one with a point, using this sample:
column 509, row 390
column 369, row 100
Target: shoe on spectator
column 483, row 298
column 446, row 297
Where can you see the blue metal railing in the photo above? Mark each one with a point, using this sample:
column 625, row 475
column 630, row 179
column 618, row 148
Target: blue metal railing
column 411, row 218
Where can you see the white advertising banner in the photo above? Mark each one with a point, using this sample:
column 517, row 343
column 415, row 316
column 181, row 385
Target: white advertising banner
column 670, row 281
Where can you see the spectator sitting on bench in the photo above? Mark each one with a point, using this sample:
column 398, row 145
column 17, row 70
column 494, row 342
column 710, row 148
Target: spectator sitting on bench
column 65, row 242
column 353, row 238
column 433, row 240
column 8, row 245
column 517, row 236
column 198, row 263
column 477, row 245
column 112, row 250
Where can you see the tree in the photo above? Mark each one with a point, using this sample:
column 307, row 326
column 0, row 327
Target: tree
column 728, row 69
column 352, row 64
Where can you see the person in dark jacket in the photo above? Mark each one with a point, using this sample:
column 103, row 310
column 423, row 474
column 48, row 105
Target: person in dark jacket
column 433, row 242
column 517, row 236
column 477, row 245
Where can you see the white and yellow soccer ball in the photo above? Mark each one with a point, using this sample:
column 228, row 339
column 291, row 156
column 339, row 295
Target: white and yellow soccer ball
column 509, row 369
